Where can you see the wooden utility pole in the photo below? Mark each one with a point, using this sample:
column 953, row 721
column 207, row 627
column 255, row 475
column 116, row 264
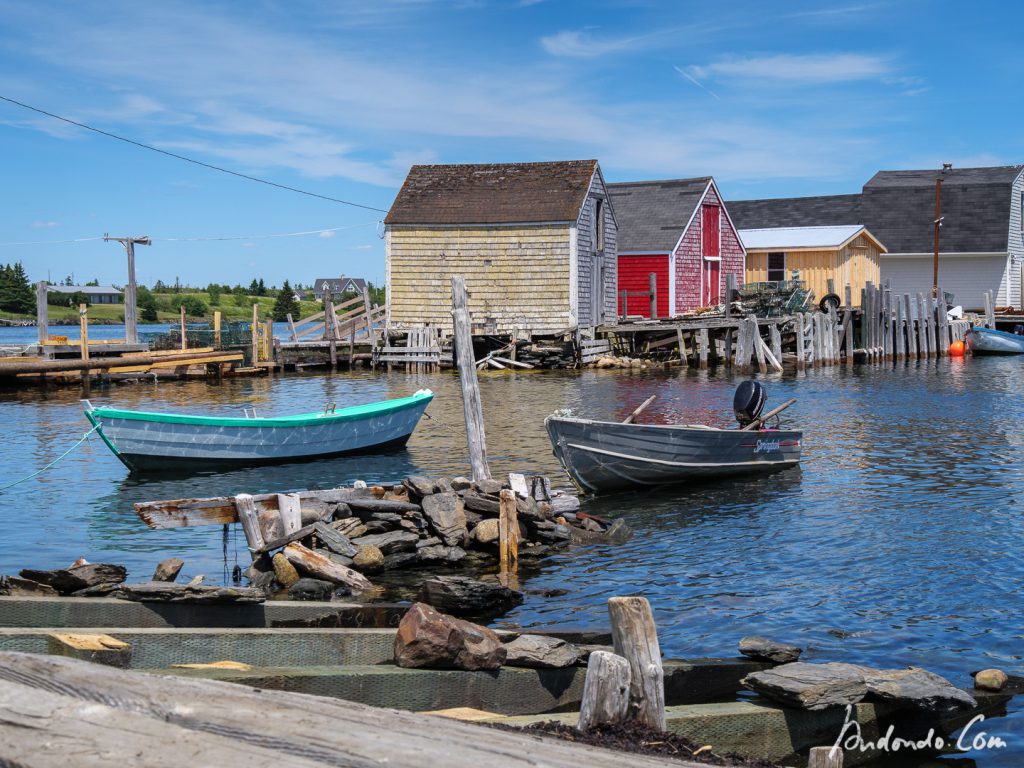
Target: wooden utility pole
column 131, row 332
column 938, row 226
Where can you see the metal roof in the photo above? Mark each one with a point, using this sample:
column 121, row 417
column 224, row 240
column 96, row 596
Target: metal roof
column 782, row 238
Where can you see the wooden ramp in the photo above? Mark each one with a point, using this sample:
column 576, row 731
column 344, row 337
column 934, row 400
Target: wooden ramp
column 57, row 712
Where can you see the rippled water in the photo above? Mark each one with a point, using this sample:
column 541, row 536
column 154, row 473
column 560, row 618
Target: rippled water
column 898, row 541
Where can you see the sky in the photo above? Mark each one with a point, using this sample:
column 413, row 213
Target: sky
column 339, row 99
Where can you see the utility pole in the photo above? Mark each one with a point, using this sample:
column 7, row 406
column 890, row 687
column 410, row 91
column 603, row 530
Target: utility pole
column 938, row 226
column 131, row 332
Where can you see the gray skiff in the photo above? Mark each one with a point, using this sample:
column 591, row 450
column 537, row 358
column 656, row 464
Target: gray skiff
column 147, row 442
column 607, row 455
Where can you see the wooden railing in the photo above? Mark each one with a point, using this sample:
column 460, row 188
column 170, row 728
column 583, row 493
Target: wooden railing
column 353, row 320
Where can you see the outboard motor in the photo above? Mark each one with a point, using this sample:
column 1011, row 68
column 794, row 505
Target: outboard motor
column 748, row 402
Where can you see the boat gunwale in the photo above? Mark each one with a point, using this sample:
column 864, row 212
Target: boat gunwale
column 695, row 427
column 351, row 413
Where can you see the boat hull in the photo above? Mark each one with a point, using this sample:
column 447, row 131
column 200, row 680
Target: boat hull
column 604, row 456
column 986, row 341
column 147, row 442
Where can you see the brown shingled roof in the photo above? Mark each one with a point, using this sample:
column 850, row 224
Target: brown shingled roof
column 500, row 193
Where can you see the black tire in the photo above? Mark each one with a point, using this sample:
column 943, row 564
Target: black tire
column 830, row 299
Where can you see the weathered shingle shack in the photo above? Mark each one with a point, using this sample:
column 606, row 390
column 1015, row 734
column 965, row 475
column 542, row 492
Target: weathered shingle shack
column 536, row 242
column 680, row 230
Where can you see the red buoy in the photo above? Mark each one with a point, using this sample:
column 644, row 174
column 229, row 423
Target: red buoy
column 956, row 349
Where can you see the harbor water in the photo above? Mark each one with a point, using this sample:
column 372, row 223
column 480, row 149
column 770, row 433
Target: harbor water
column 898, row 541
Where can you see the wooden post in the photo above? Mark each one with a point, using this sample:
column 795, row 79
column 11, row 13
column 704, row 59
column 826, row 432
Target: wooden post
column 727, row 337
column 887, row 324
column 255, row 333
column 635, row 638
column 291, row 327
column 848, row 294
column 776, row 337
column 682, row 344
column 471, row 405
column 922, row 329
column 898, row 337
column 798, row 321
column 289, row 510
column 652, row 286
column 702, row 341
column 755, row 337
column 181, row 327
column 834, row 338
column 216, row 329
column 848, row 326
column 990, row 312
column 942, row 317
column 825, row 757
column 508, row 533
column 131, row 332
column 933, row 326
column 247, row 516
column 911, row 333
column 605, row 691
column 268, row 339
column 83, row 328
column 730, row 290
column 42, row 313
column 369, row 316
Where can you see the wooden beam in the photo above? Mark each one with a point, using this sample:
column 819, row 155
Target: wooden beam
column 472, row 408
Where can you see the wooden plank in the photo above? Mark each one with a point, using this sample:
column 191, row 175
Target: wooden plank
column 508, row 533
column 289, row 510
column 83, row 326
column 245, row 508
column 635, row 638
column 320, row 567
column 772, row 360
column 103, row 717
column 200, row 360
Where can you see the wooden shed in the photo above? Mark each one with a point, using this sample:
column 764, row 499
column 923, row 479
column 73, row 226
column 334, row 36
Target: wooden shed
column 536, row 243
column 845, row 254
column 679, row 230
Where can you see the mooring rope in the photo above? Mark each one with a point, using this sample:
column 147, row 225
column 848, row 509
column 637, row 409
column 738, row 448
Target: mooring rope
column 81, row 440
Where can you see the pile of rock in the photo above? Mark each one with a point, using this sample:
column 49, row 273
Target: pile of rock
column 420, row 522
column 549, row 355
column 610, row 361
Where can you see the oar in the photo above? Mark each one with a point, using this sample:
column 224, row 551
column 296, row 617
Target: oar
column 774, row 412
column 629, row 419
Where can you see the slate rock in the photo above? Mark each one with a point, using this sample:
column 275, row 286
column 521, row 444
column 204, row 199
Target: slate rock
column 168, row 570
column 463, row 596
column 400, row 560
column 421, row 486
column 990, row 680
column 391, row 519
column 334, row 540
column 67, row 580
column 263, row 580
column 433, row 541
column 763, row 649
column 541, row 651
column 810, row 686
column 311, row 589
column 19, row 587
column 368, row 558
column 390, row 542
column 461, row 483
column 445, row 514
column 284, row 571
column 433, row 640
column 167, row 592
column 491, row 487
column 375, row 528
column 528, row 509
column 472, row 518
column 443, row 485
column 98, row 590
column 479, row 503
column 486, row 531
column 917, row 688
column 440, row 553
column 334, row 557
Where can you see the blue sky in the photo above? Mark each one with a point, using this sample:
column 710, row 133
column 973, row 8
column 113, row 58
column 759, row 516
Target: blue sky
column 773, row 99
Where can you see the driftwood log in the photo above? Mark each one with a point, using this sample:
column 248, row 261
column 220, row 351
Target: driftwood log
column 320, row 567
column 605, row 691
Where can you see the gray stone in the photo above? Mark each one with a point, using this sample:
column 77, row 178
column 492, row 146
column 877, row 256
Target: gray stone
column 431, row 542
column 262, row 580
column 312, row 510
column 491, row 487
column 483, row 504
column 486, row 531
column 990, row 680
column 339, row 559
column 391, row 519
column 763, row 649
column 541, row 651
column 461, row 483
column 350, row 526
column 916, row 687
column 167, row 592
column 77, row 577
column 400, row 560
column 528, row 508
column 810, row 686
column 443, row 485
column 168, row 570
column 432, row 640
column 335, row 540
column 390, row 542
column 463, row 596
column 421, row 486
column 445, row 515
column 439, row 553
column 19, row 587
column 311, row 589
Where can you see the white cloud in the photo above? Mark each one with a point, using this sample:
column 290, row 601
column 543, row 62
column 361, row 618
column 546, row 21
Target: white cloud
column 45, row 224
column 800, row 69
column 326, row 234
column 582, row 45
column 362, row 247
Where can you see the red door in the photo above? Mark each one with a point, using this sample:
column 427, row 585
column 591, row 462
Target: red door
column 635, row 278
column 711, row 292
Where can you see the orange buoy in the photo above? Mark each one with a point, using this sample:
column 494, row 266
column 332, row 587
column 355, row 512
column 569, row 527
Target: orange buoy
column 956, row 349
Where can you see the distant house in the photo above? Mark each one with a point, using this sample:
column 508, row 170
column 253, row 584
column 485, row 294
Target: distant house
column 845, row 254
column 336, row 286
column 536, row 242
column 981, row 243
column 681, row 231
column 97, row 294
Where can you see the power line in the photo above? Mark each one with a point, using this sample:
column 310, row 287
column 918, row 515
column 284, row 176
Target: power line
column 206, row 239
column 188, row 159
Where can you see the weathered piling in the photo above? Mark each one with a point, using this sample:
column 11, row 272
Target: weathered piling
column 472, row 407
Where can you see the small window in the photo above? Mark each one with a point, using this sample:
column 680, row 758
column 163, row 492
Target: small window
column 599, row 224
column 776, row 267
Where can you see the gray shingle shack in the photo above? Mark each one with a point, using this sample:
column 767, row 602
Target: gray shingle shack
column 981, row 242
column 536, row 242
